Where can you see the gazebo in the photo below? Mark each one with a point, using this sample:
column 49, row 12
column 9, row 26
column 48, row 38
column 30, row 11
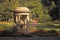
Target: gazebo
column 21, row 18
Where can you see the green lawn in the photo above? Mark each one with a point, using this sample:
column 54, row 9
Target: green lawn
column 43, row 26
column 6, row 25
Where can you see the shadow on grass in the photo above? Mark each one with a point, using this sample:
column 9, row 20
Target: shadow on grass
column 41, row 33
column 13, row 34
column 44, row 33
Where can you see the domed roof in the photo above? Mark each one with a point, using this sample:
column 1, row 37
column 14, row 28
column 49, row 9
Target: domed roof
column 22, row 9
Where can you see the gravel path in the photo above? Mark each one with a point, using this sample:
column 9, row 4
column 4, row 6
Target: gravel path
column 30, row 38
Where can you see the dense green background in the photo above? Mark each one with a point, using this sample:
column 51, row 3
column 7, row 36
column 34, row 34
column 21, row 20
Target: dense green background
column 43, row 10
column 37, row 9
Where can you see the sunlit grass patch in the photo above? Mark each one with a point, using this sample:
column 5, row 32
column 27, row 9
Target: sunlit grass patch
column 6, row 25
column 56, row 24
column 52, row 29
column 32, row 28
column 48, row 26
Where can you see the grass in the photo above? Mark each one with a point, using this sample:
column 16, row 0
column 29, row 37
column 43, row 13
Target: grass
column 52, row 29
column 43, row 26
column 48, row 26
column 6, row 25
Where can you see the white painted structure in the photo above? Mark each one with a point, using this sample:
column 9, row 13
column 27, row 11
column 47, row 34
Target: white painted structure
column 21, row 18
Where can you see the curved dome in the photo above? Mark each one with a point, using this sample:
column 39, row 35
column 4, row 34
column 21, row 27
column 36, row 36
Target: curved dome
column 22, row 9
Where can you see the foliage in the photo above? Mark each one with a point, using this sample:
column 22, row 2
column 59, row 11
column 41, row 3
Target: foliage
column 43, row 10
column 36, row 7
column 7, row 5
column 53, row 7
column 38, row 10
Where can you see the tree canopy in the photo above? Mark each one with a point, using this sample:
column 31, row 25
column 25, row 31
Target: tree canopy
column 43, row 10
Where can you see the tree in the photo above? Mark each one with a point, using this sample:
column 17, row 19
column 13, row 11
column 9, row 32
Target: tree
column 7, row 5
column 53, row 8
column 36, row 8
